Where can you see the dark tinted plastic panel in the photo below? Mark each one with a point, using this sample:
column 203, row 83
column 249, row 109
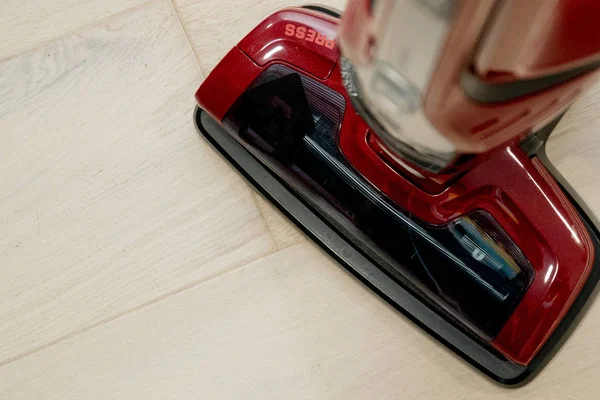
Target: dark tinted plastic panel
column 469, row 269
column 359, row 255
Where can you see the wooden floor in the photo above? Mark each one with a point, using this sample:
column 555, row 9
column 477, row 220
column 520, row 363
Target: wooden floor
column 136, row 264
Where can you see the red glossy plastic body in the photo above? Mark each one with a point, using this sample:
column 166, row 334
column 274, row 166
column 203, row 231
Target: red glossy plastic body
column 476, row 127
column 516, row 190
column 533, row 38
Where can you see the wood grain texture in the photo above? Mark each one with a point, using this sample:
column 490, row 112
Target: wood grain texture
column 285, row 233
column 215, row 26
column 122, row 233
column 293, row 325
column 27, row 23
column 110, row 198
column 574, row 148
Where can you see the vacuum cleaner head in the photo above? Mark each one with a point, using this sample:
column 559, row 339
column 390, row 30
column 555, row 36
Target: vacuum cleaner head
column 497, row 269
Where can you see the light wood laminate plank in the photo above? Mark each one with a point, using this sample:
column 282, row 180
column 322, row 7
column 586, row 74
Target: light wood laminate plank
column 214, row 27
column 285, row 233
column 574, row 148
column 293, row 325
column 110, row 198
column 27, row 23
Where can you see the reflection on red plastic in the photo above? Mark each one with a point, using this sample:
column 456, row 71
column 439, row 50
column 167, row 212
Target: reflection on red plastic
column 285, row 36
column 469, row 123
column 310, row 35
column 517, row 191
column 508, row 185
column 534, row 38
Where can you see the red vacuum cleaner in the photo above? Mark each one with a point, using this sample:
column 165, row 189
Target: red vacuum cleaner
column 408, row 139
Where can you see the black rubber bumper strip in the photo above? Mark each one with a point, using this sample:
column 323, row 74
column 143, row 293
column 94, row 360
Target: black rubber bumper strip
column 476, row 353
column 332, row 12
